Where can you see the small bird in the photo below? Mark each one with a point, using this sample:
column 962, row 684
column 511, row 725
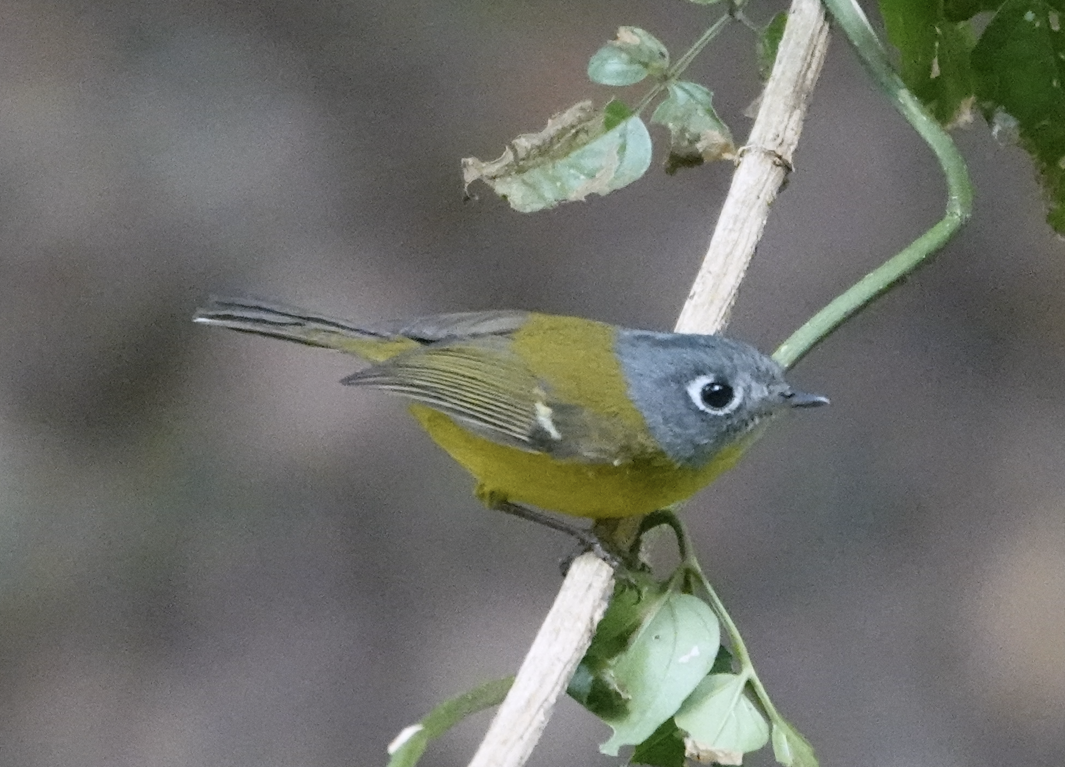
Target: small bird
column 561, row 413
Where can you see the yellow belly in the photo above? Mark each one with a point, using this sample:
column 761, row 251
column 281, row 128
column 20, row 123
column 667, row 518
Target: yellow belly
column 570, row 487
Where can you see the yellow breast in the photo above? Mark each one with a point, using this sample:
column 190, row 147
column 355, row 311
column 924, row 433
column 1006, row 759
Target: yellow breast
column 569, row 486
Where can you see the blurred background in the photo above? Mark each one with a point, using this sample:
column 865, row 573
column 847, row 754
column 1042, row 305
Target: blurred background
column 213, row 554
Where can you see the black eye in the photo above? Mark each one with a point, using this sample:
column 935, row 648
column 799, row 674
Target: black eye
column 716, row 395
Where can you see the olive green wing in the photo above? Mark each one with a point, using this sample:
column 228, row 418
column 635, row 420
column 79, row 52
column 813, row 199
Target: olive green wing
column 486, row 387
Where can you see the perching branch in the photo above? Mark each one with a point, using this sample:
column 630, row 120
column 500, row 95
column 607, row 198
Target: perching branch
column 567, row 631
column 766, row 162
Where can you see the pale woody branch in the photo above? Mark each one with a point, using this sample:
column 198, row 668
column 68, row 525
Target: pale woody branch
column 766, row 160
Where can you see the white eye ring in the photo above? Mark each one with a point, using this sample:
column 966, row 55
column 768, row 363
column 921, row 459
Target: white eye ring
column 697, row 392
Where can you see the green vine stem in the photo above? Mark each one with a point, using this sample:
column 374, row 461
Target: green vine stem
column 736, row 643
column 850, row 18
column 690, row 567
column 407, row 747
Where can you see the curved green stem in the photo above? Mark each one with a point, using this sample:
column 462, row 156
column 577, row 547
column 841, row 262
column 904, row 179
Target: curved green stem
column 410, row 744
column 849, row 18
column 736, row 643
column 669, row 519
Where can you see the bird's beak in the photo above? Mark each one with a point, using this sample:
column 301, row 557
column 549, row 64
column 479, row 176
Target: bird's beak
column 795, row 398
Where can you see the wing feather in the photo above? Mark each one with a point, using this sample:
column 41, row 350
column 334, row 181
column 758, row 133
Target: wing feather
column 481, row 382
column 484, row 385
column 457, row 325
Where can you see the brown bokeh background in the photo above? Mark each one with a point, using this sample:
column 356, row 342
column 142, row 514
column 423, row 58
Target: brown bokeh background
column 213, row 554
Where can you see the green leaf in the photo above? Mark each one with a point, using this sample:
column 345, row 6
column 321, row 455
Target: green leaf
column 580, row 152
column 934, row 57
column 768, row 42
column 593, row 684
column 630, row 607
column 615, row 113
column 696, row 133
column 633, row 55
column 407, row 747
column 665, row 747
column 667, row 658
column 721, row 721
column 790, row 748
column 1020, row 70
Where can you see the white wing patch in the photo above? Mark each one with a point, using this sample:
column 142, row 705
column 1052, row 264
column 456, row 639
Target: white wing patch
column 544, row 419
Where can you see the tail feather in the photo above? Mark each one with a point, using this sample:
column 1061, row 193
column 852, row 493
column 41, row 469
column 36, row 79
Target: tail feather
column 293, row 324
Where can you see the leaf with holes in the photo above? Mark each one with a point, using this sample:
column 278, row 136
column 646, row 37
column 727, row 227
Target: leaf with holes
column 934, row 57
column 582, row 151
column 1020, row 82
column 696, row 133
column 633, row 55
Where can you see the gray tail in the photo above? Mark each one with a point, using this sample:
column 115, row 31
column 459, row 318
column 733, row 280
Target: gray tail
column 279, row 321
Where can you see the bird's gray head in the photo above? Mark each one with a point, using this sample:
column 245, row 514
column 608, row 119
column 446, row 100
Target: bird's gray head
column 698, row 394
